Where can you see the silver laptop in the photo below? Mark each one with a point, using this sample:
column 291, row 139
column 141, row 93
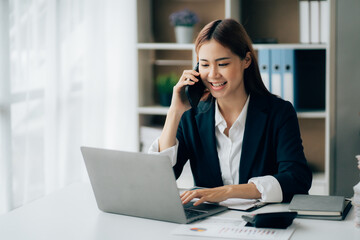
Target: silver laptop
column 141, row 185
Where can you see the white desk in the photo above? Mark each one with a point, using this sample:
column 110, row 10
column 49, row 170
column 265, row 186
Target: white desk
column 72, row 214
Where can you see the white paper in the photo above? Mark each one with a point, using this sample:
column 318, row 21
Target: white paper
column 241, row 204
column 231, row 228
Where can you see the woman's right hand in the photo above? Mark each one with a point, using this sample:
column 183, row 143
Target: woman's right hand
column 179, row 104
column 179, row 101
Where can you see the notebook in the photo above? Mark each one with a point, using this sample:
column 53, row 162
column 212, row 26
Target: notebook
column 320, row 207
column 140, row 185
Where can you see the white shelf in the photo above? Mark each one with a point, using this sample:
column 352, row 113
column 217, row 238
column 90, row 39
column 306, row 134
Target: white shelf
column 161, row 110
column 165, row 62
column 191, row 46
column 165, row 46
column 153, row 110
column 312, row 114
column 290, row 46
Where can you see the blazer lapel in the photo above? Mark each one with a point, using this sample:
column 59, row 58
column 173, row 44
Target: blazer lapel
column 205, row 122
column 254, row 126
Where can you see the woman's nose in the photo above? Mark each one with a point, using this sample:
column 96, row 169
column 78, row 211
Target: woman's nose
column 213, row 72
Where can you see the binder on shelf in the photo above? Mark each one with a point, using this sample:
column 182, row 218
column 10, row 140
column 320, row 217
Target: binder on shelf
column 309, row 80
column 276, row 72
column 324, row 21
column 314, row 21
column 288, row 74
column 264, row 65
column 304, row 15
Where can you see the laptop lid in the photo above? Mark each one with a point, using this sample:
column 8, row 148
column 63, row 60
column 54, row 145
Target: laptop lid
column 134, row 184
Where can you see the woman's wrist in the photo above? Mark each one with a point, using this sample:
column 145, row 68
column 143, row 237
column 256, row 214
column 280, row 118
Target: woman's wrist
column 248, row 191
column 168, row 135
column 175, row 113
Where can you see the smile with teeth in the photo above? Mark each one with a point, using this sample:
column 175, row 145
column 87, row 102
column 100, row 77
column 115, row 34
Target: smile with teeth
column 218, row 84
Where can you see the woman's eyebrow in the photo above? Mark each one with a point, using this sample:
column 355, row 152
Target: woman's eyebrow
column 218, row 59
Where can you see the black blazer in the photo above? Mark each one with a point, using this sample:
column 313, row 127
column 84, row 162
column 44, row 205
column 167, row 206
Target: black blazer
column 271, row 146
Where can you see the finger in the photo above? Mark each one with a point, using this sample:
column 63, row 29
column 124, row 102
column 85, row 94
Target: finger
column 200, row 201
column 189, row 81
column 190, row 78
column 192, row 72
column 188, row 198
column 184, row 194
column 190, row 75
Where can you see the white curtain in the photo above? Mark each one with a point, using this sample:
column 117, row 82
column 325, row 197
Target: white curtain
column 70, row 81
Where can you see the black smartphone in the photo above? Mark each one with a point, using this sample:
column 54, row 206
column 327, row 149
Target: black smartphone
column 195, row 92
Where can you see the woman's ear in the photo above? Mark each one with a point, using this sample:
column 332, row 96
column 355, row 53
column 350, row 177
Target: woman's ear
column 247, row 60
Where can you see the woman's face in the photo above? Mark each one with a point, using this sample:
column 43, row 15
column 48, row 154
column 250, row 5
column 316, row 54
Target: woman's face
column 222, row 71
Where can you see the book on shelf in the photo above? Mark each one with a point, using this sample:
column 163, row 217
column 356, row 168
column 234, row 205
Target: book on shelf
column 309, row 80
column 296, row 75
column 264, row 66
column 304, row 21
column 320, row 207
column 314, row 21
column 276, row 72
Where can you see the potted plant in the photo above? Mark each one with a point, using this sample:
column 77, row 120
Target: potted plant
column 164, row 85
column 184, row 22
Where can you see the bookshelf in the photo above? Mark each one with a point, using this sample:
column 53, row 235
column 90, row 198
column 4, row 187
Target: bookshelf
column 158, row 53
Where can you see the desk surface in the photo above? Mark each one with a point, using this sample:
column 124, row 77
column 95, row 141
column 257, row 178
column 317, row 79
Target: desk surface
column 71, row 213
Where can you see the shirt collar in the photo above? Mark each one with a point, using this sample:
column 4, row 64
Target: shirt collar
column 220, row 121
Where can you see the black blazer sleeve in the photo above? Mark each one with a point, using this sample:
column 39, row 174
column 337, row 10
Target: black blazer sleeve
column 293, row 172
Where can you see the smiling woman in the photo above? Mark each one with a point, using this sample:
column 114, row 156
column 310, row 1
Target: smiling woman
column 247, row 144
column 222, row 72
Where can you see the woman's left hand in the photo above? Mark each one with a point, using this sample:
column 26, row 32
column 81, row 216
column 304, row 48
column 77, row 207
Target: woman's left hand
column 217, row 194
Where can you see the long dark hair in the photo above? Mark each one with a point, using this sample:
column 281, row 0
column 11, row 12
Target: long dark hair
column 231, row 34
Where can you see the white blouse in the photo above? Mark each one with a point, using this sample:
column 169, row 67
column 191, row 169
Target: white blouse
column 229, row 151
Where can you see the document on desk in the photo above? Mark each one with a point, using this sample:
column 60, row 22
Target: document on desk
column 235, row 203
column 231, row 228
column 242, row 204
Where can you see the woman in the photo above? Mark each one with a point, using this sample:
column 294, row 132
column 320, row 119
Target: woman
column 242, row 141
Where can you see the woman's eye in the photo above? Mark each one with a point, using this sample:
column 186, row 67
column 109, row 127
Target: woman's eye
column 223, row 64
column 204, row 65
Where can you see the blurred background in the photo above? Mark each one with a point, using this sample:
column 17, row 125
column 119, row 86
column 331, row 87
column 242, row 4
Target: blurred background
column 67, row 79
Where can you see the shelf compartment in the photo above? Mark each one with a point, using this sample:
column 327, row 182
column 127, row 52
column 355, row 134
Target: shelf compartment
column 313, row 136
column 284, row 15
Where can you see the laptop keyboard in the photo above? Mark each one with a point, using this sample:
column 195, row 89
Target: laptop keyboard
column 193, row 213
